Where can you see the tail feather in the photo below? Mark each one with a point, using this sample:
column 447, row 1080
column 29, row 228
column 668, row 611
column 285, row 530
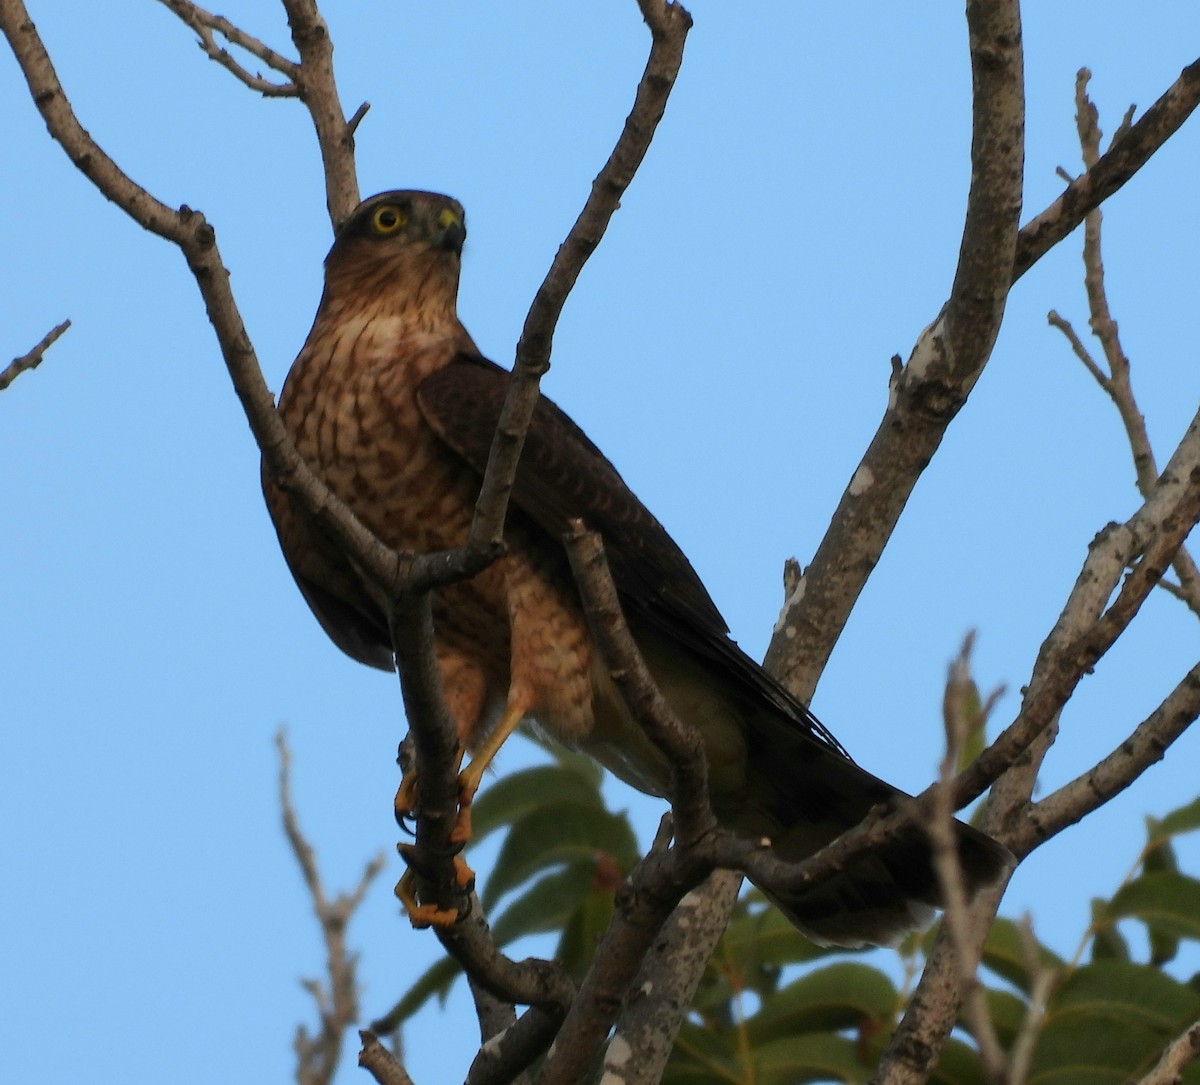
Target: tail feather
column 802, row 795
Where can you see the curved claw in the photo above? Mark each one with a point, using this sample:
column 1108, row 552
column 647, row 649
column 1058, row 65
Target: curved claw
column 406, row 799
column 429, row 915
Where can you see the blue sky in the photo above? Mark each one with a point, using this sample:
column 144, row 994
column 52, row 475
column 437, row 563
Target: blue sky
column 795, row 224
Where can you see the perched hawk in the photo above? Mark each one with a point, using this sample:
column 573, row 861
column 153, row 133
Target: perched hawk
column 391, row 403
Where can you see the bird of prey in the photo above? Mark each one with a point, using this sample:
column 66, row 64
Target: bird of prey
column 393, row 405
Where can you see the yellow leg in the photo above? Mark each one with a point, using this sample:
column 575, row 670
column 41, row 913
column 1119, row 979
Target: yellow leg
column 429, row 915
column 406, row 794
column 469, row 778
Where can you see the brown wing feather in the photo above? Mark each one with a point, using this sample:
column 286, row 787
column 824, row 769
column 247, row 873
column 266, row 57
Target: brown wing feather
column 562, row 475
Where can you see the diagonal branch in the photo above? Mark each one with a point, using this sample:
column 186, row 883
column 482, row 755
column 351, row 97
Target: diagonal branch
column 33, row 358
column 920, row 408
column 1176, row 1056
column 946, row 362
column 669, row 23
column 1128, row 154
column 679, row 742
column 311, row 79
column 1145, row 747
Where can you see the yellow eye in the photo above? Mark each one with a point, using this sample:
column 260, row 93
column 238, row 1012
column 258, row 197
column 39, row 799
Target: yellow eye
column 447, row 218
column 388, row 219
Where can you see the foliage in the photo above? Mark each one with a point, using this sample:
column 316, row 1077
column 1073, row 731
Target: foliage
column 776, row 1009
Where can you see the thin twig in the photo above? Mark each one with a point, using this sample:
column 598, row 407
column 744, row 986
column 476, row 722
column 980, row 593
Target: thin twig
column 961, row 716
column 1123, row 159
column 337, row 1004
column 1043, row 980
column 669, row 24
column 1181, row 1051
column 1117, row 382
column 33, row 359
column 205, row 24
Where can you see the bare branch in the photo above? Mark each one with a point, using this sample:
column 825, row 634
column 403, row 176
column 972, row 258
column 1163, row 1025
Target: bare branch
column 381, row 1063
column 679, row 742
column 1081, row 351
column 197, row 240
column 943, row 368
column 1181, row 1051
column 1035, row 1012
column 317, row 88
column 33, row 359
column 1124, row 158
column 650, row 893
column 650, row 1014
column 205, row 24
column 960, row 705
column 1145, row 747
column 311, row 80
column 503, row 1060
column 921, row 409
column 337, row 1006
column 669, row 24
column 1117, row 383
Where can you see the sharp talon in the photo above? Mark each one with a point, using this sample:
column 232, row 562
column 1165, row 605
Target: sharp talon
column 406, row 798
column 427, row 915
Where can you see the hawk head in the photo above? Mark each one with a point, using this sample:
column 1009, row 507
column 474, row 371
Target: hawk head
column 401, row 247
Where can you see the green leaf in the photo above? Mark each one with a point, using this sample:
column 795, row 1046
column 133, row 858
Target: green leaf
column 1160, row 854
column 1007, row 1013
column 510, row 798
column 582, row 932
column 555, row 834
column 436, row 980
column 1108, row 943
column 1108, row 1022
column 1078, row 1048
column 1184, row 820
column 547, row 905
column 1166, row 902
column 1004, row 954
column 761, row 938
column 1124, row 992
column 818, row 1057
column 844, row 995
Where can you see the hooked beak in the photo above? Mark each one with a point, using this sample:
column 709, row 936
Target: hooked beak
column 450, row 238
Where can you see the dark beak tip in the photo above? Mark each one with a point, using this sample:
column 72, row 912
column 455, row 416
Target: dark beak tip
column 452, row 239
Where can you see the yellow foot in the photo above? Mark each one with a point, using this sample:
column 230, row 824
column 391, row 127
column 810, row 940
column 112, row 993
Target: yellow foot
column 429, row 915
